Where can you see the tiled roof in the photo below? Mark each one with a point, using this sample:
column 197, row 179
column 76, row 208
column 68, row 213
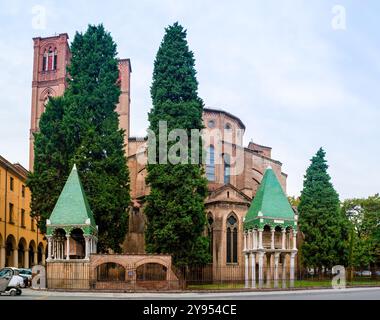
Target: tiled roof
column 269, row 203
column 72, row 207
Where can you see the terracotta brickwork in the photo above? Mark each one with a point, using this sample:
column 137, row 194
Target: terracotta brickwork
column 85, row 275
column 51, row 57
column 226, row 198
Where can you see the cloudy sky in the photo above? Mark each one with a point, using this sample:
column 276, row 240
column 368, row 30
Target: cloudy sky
column 300, row 74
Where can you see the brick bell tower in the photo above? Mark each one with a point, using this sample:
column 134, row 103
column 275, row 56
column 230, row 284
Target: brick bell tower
column 51, row 56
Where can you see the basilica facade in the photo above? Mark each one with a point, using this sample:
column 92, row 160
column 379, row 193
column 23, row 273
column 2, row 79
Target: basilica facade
column 230, row 193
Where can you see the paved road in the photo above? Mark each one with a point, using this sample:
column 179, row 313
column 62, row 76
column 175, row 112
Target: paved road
column 326, row 294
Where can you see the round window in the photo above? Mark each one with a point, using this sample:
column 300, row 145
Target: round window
column 211, row 124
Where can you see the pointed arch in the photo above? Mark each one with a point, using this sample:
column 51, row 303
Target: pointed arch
column 47, row 92
column 232, row 227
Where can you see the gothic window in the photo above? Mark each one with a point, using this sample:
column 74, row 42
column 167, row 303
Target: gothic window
column 44, row 61
column 210, row 235
column 55, row 60
column 50, row 59
column 232, row 239
column 210, row 164
column 227, row 168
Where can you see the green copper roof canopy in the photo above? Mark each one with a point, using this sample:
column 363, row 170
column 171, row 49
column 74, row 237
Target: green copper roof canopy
column 72, row 208
column 270, row 206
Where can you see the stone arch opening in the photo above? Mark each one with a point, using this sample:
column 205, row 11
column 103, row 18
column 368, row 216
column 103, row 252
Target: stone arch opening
column 32, row 251
column 11, row 252
column 59, row 240
column 267, row 236
column 288, row 237
column 21, row 248
column 110, row 271
column 151, row 272
column 278, row 237
column 40, row 251
column 77, row 244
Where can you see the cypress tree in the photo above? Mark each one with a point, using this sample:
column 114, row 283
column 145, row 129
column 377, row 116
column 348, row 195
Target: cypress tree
column 324, row 226
column 175, row 205
column 51, row 163
column 92, row 138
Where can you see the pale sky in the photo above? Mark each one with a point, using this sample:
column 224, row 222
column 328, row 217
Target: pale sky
column 297, row 73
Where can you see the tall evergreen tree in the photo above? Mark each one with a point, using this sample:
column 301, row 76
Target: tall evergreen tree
column 92, row 137
column 175, row 206
column 51, row 163
column 324, row 226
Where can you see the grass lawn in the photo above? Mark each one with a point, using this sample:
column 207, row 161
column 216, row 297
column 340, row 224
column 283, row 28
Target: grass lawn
column 297, row 284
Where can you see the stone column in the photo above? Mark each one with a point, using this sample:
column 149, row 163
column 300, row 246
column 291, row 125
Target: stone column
column 87, row 247
column 15, row 258
column 261, row 271
column 253, row 270
column 43, row 258
column 68, row 247
column 294, row 240
column 284, row 271
column 53, row 248
column 2, row 257
column 246, row 269
column 272, row 239
column 26, row 259
column 292, row 273
column 245, row 241
column 50, row 250
column 283, row 245
column 59, row 249
column 269, row 266
column 254, row 239
column 261, row 239
column 275, row 276
column 35, row 257
column 95, row 246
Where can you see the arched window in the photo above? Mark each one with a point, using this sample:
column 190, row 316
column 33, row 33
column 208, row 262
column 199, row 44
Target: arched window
column 210, row 164
column 55, row 59
column 232, row 239
column 210, row 235
column 50, row 59
column 227, row 168
column 44, row 61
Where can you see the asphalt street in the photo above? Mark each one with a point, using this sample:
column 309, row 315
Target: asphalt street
column 325, row 294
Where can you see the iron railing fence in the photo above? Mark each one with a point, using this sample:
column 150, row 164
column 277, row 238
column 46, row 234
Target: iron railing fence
column 205, row 277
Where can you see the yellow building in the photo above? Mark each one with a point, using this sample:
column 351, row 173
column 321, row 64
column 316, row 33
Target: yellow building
column 21, row 244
